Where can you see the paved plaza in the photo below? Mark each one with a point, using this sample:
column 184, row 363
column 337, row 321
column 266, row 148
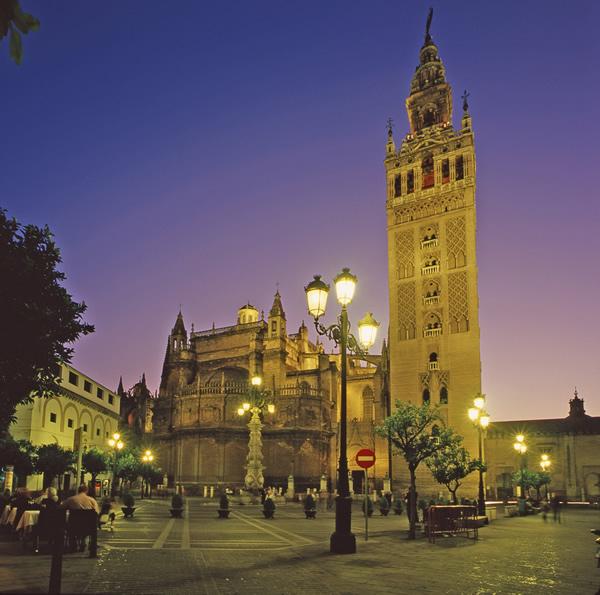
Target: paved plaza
column 152, row 553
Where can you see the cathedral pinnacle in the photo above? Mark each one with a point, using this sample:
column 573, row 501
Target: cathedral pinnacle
column 179, row 328
column 277, row 307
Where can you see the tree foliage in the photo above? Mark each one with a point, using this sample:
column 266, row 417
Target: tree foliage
column 13, row 22
column 36, row 312
column 128, row 466
column 451, row 465
column 18, row 453
column 417, row 433
column 531, row 479
column 94, row 462
column 53, row 460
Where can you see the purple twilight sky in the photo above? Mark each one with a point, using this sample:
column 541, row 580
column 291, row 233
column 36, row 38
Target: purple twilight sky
column 200, row 153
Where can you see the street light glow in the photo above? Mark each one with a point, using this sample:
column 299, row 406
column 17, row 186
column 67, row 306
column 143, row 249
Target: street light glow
column 473, row 413
column 271, row 408
column 484, row 421
column 367, row 330
column 479, row 402
column 345, row 285
column 316, row 296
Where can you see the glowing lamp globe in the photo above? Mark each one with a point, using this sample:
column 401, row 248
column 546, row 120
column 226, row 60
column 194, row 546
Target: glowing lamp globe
column 520, row 438
column 484, row 421
column 246, row 406
column 316, row 296
column 345, row 284
column 241, row 411
column 479, row 402
column 473, row 413
column 367, row 330
column 120, row 445
column 271, row 408
column 256, row 381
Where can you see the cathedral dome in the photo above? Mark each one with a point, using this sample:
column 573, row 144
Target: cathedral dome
column 247, row 313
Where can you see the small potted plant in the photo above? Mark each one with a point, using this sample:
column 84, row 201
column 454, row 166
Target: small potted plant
column 368, row 503
column 384, row 505
column 310, row 507
column 269, row 508
column 128, row 507
column 398, row 506
column 176, row 506
column 223, row 507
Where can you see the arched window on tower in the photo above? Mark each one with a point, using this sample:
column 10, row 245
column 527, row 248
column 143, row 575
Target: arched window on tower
column 445, row 171
column 426, row 396
column 427, row 169
column 444, row 395
column 398, row 185
column 460, row 167
column 433, row 361
column 429, row 117
column 410, row 181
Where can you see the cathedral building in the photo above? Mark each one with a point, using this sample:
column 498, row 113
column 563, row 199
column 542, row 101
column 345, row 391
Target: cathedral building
column 432, row 265
column 205, row 379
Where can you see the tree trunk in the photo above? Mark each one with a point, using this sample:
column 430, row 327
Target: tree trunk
column 93, row 490
column 453, row 492
column 412, row 505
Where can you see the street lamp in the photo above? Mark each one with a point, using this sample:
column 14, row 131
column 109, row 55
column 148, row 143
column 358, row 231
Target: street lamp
column 257, row 403
column 521, row 448
column 147, row 458
column 479, row 416
column 544, row 464
column 342, row 539
column 116, row 444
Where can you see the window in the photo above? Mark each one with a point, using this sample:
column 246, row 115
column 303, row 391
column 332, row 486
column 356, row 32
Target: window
column 73, row 379
column 273, row 327
column 410, row 182
column 398, row 185
column 106, row 434
column 445, row 171
column 53, row 418
column 460, row 167
column 69, row 423
column 87, row 386
column 111, row 399
column 85, row 427
column 427, row 169
column 97, row 431
column 426, row 396
column 444, row 395
column 100, row 393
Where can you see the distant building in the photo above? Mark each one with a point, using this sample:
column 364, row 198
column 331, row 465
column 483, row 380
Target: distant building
column 572, row 444
column 80, row 403
column 205, row 379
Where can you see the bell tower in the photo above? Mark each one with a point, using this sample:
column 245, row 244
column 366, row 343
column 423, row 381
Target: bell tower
column 432, row 267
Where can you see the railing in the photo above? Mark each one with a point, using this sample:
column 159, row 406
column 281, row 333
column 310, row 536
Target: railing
column 430, row 270
column 432, row 332
column 431, row 299
column 429, row 243
column 242, row 388
column 226, row 329
column 434, row 365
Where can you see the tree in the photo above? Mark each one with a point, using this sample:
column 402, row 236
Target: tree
column 415, row 435
column 151, row 474
column 452, row 464
column 128, row 467
column 38, row 317
column 54, row 460
column 525, row 478
column 14, row 21
column 20, row 454
column 543, row 479
column 94, row 461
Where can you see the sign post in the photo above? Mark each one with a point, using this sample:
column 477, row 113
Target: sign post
column 365, row 458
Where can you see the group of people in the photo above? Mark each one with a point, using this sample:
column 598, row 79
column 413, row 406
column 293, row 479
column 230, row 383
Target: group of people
column 48, row 499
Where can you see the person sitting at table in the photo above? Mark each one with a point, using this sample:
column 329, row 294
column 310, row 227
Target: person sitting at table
column 49, row 499
column 5, row 499
column 81, row 501
column 21, row 500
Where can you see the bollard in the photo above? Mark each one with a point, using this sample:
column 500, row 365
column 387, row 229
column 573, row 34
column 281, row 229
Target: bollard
column 212, row 491
column 205, row 491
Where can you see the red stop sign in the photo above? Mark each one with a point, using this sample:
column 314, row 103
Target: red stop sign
column 365, row 458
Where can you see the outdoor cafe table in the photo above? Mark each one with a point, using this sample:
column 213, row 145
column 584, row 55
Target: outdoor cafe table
column 27, row 521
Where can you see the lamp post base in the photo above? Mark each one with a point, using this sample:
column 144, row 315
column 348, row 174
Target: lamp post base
column 342, row 543
column 342, row 539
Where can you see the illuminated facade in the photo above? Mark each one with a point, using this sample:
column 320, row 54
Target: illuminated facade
column 432, row 267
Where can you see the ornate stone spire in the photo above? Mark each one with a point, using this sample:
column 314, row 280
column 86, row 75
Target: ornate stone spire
column 576, row 408
column 277, row 307
column 179, row 328
column 430, row 99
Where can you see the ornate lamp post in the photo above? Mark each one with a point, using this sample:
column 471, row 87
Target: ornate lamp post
column 342, row 539
column 147, row 458
column 521, row 448
column 544, row 464
column 116, row 444
column 481, row 419
column 257, row 403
